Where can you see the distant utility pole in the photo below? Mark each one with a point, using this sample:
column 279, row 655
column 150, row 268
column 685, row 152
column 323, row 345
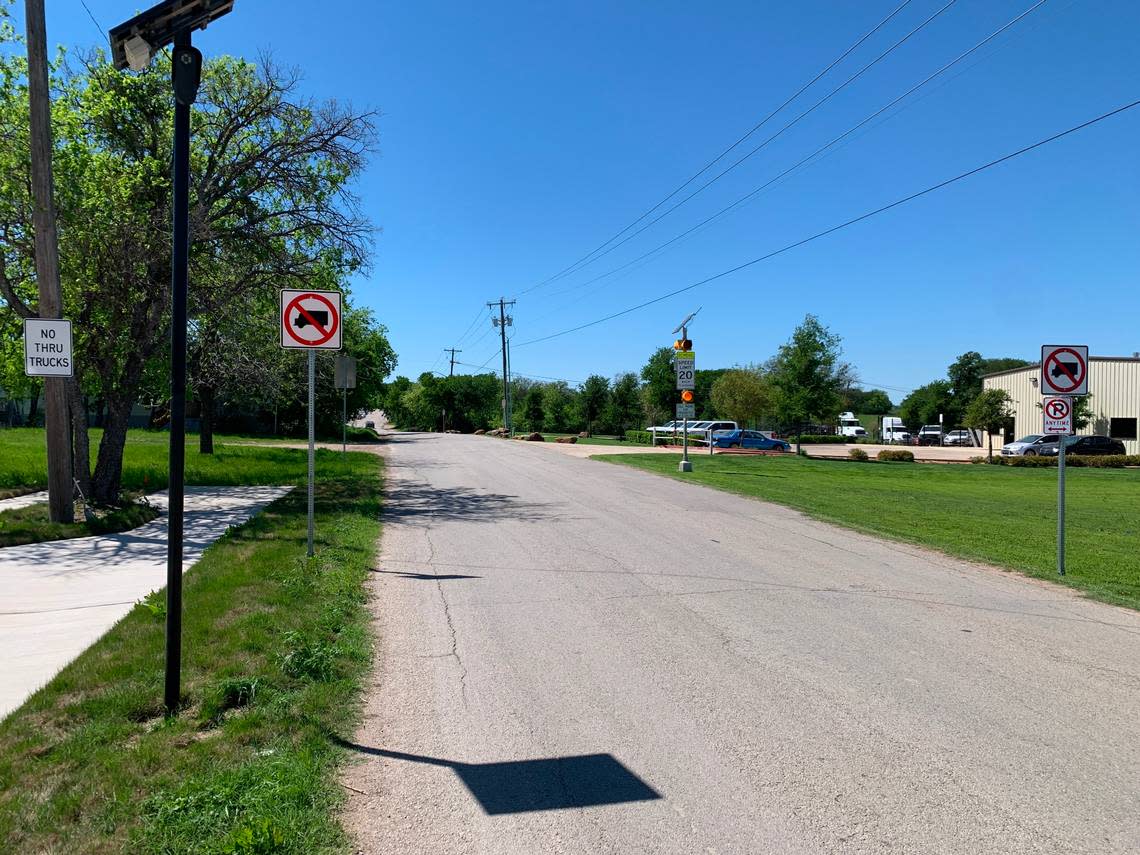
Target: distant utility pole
column 502, row 322
column 60, row 486
column 452, row 351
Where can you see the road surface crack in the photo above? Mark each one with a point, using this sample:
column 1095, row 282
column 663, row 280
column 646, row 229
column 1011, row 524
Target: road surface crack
column 453, row 652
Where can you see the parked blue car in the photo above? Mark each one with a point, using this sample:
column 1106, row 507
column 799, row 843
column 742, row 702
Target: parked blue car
column 748, row 439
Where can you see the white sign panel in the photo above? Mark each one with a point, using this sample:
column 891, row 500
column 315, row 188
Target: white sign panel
column 686, row 373
column 47, row 348
column 686, row 411
column 311, row 320
column 1058, row 415
column 1064, row 369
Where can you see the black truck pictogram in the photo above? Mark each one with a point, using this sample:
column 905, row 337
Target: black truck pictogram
column 319, row 316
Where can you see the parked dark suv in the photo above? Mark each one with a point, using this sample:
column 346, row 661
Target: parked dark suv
column 1088, row 445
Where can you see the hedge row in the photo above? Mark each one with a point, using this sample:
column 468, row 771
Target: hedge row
column 639, row 437
column 1105, row 461
column 821, row 439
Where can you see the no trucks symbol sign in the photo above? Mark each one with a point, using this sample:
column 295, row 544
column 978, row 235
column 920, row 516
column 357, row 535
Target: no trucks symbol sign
column 1064, row 369
column 310, row 320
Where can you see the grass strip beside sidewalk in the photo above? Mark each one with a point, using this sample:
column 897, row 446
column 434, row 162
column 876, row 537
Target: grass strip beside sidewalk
column 994, row 514
column 275, row 647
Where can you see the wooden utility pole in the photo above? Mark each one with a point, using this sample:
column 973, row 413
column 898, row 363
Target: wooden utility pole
column 60, row 487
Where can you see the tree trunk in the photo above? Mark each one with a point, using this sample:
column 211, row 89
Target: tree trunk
column 991, row 440
column 80, row 441
column 206, row 421
column 106, row 484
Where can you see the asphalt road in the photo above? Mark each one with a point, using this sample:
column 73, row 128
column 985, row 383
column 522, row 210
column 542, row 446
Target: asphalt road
column 576, row 657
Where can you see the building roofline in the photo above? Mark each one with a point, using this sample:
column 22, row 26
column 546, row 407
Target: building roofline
column 1036, row 366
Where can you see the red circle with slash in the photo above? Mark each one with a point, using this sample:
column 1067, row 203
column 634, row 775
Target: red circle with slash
column 1054, row 359
column 325, row 334
column 1058, row 408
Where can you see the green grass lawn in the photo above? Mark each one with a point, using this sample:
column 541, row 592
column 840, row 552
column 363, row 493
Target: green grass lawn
column 275, row 649
column 993, row 514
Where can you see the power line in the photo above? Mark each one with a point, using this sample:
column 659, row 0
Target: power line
column 814, row 154
column 585, row 263
column 843, row 225
column 98, row 26
column 712, row 162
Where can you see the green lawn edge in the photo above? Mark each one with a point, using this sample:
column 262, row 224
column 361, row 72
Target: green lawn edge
column 276, row 648
column 999, row 516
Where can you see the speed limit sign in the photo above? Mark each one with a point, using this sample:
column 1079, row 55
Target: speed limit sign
column 685, row 362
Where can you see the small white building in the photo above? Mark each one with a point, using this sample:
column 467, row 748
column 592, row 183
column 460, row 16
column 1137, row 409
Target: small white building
column 1114, row 390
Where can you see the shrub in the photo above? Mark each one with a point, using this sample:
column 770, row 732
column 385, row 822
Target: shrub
column 857, row 454
column 821, row 439
column 639, row 437
column 898, row 455
column 1105, row 461
column 980, row 458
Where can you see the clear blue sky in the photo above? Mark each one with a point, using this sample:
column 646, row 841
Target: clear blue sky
column 517, row 136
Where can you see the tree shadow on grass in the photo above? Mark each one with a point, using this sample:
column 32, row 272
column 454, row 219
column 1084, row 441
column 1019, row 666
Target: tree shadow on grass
column 523, row 786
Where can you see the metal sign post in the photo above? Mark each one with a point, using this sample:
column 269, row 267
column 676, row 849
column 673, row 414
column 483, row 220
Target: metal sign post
column 311, row 320
column 685, row 364
column 1058, row 419
column 312, row 438
column 345, row 380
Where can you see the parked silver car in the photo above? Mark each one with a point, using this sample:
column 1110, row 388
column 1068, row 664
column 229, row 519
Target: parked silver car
column 1030, row 446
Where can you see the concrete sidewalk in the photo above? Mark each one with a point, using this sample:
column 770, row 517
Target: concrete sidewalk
column 25, row 501
column 57, row 598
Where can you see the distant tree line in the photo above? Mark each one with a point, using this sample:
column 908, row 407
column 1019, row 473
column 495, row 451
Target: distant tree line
column 805, row 383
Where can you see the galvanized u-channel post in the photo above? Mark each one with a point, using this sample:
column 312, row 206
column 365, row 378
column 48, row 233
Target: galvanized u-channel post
column 312, row 437
column 1061, row 505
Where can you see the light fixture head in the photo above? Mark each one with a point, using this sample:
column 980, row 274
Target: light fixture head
column 135, row 42
column 138, row 53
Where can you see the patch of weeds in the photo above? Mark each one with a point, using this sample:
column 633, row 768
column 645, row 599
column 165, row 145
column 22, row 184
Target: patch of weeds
column 257, row 837
column 307, row 658
column 228, row 695
column 155, row 603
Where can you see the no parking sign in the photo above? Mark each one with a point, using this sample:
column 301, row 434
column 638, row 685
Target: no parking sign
column 1058, row 416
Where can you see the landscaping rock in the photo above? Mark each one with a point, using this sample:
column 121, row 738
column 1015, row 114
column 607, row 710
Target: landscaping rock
column 535, row 437
column 569, row 440
column 480, row 432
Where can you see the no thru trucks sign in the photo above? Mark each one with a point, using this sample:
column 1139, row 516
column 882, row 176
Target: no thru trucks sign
column 47, row 348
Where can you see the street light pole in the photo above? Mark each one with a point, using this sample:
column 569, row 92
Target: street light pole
column 187, row 64
column 133, row 45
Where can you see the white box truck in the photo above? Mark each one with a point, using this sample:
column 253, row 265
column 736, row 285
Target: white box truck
column 850, row 426
column 894, row 431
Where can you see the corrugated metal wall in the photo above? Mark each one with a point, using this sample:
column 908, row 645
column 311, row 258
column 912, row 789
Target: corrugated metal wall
column 1114, row 384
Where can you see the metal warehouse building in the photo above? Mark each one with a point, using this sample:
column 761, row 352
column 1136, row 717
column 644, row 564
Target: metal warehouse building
column 1114, row 387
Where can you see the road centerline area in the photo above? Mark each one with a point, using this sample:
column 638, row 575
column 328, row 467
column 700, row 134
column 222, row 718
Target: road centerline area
column 779, row 684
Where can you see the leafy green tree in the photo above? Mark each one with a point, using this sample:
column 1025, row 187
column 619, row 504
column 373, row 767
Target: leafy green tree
column 659, row 392
column 705, row 380
column 742, row 395
column 593, row 399
column 807, row 376
column 272, row 205
column 532, row 408
column 924, row 404
column 558, row 406
column 988, row 412
column 965, row 375
column 625, row 404
column 875, row 402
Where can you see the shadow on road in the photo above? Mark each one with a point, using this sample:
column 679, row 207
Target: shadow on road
column 427, row 577
column 408, row 502
column 520, row 786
